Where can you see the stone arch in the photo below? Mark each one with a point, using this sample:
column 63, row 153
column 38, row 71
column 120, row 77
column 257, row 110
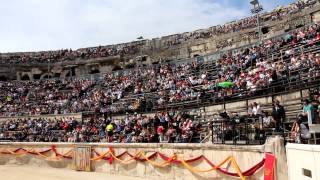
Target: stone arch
column 25, row 77
column 46, row 76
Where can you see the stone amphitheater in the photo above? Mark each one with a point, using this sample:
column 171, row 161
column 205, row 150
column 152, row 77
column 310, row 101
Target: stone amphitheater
column 185, row 106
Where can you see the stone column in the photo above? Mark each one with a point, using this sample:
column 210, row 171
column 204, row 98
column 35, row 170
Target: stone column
column 275, row 145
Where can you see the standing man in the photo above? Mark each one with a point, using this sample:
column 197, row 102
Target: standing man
column 278, row 114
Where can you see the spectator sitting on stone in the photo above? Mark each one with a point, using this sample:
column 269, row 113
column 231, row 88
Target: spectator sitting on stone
column 299, row 131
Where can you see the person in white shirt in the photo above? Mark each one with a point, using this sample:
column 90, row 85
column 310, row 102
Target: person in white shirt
column 257, row 110
column 267, row 119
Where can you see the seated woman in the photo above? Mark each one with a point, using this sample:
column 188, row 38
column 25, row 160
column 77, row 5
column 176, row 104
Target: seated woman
column 300, row 131
column 267, row 120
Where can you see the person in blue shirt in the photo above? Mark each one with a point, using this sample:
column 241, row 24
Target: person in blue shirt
column 307, row 110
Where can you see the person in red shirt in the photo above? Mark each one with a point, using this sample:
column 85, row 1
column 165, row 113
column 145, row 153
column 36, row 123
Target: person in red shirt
column 160, row 131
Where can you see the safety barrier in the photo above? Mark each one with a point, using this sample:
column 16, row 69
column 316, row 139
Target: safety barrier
column 172, row 161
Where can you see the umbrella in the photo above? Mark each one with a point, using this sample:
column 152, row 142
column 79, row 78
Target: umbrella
column 225, row 84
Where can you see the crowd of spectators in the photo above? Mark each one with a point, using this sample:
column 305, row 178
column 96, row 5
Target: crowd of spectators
column 248, row 69
column 135, row 47
column 133, row 128
column 293, row 8
column 299, row 130
column 39, row 97
column 69, row 54
column 242, row 24
column 310, row 114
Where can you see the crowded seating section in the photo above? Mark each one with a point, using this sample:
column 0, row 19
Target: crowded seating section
column 135, row 47
column 275, row 65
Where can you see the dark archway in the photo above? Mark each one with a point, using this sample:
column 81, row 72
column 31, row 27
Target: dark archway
column 47, row 76
column 3, row 78
column 94, row 71
column 25, row 77
column 265, row 30
column 57, row 75
column 116, row 68
column 36, row 76
column 69, row 74
column 130, row 66
column 144, row 58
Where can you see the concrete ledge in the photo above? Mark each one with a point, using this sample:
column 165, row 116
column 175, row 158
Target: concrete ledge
column 255, row 148
column 303, row 161
column 246, row 157
column 77, row 116
column 304, row 147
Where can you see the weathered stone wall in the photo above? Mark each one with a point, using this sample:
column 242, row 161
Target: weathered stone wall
column 246, row 157
column 303, row 158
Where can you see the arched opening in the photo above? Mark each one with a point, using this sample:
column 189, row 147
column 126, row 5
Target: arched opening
column 73, row 71
column 3, row 78
column 36, row 76
column 57, row 75
column 25, row 77
column 265, row 30
column 144, row 58
column 200, row 59
column 116, row 68
column 47, row 76
column 69, row 74
column 94, row 71
column 130, row 66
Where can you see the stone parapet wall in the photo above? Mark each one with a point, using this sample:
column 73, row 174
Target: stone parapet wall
column 303, row 161
column 245, row 156
column 76, row 116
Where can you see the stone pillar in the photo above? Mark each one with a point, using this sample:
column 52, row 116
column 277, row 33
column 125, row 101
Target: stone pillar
column 18, row 76
column 275, row 145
